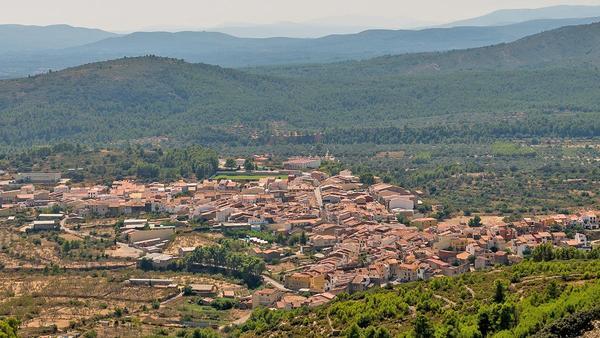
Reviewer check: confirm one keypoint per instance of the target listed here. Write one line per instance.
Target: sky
(130, 15)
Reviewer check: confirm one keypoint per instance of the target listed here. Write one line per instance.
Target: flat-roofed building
(204, 289)
(302, 163)
(38, 177)
(44, 226)
(50, 217)
(162, 233)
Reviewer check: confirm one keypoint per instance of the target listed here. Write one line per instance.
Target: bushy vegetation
(190, 333)
(80, 162)
(228, 257)
(547, 252)
(8, 328)
(572, 325)
(542, 299)
(149, 97)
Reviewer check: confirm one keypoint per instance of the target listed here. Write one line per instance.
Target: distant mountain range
(21, 38)
(229, 51)
(565, 46)
(510, 16)
(125, 99)
(317, 28)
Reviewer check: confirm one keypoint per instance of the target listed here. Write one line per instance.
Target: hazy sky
(123, 15)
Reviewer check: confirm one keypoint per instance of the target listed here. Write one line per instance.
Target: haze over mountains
(551, 72)
(65, 46)
(21, 38)
(566, 46)
(318, 27)
(510, 16)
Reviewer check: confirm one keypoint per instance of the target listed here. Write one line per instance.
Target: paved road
(172, 299)
(63, 226)
(275, 283)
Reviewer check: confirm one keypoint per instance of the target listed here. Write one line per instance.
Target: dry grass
(40, 301)
(193, 239)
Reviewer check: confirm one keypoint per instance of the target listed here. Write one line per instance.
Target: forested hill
(471, 95)
(531, 299)
(571, 45)
(230, 51)
(141, 84)
(22, 38)
(130, 98)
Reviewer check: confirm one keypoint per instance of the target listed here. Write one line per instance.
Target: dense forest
(139, 98)
(229, 256)
(145, 163)
(544, 85)
(537, 51)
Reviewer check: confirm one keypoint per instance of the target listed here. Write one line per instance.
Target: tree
(367, 179)
(249, 165)
(543, 252)
(483, 322)
(90, 334)
(353, 331)
(303, 239)
(146, 264)
(552, 290)
(475, 221)
(442, 214)
(423, 327)
(402, 219)
(499, 293)
(380, 332)
(148, 171)
(223, 303)
(230, 163)
(202, 333)
(8, 328)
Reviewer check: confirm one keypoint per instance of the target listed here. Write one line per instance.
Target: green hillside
(35, 49)
(380, 100)
(566, 46)
(23, 38)
(132, 98)
(541, 299)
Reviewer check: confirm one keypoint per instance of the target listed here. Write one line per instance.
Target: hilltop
(230, 51)
(545, 76)
(571, 45)
(21, 38)
(130, 98)
(508, 16)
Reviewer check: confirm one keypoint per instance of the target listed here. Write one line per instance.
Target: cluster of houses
(372, 253)
(351, 230)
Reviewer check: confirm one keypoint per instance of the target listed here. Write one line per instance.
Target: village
(319, 235)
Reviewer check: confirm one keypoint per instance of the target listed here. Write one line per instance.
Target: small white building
(302, 163)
